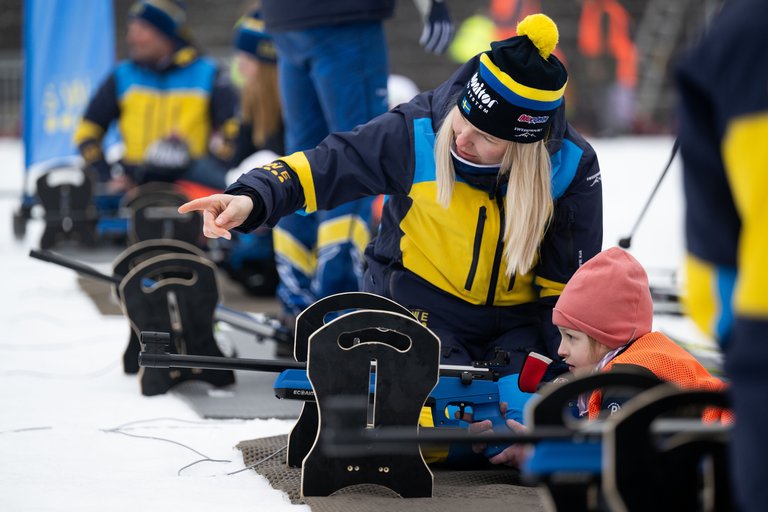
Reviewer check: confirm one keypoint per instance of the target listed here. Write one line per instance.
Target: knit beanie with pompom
(519, 84)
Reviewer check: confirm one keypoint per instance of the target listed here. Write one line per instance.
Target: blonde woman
(261, 123)
(493, 200)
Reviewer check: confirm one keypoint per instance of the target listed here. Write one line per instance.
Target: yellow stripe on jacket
(347, 228)
(300, 165)
(291, 249)
(745, 156)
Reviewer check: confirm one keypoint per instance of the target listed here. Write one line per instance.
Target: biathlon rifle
(459, 387)
(260, 326)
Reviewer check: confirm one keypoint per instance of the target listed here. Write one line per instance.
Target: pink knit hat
(608, 298)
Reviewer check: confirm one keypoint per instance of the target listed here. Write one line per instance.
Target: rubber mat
(453, 491)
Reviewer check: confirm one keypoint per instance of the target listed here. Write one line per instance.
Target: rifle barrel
(78, 267)
(151, 360)
(238, 319)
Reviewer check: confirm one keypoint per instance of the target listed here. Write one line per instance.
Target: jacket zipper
(511, 282)
(499, 250)
(476, 248)
(569, 228)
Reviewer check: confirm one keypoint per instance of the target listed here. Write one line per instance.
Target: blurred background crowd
(618, 52)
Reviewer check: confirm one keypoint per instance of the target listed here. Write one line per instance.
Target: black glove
(164, 160)
(438, 28)
(170, 153)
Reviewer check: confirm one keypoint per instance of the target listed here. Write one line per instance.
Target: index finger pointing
(194, 205)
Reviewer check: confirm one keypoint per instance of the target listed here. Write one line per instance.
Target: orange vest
(669, 362)
(618, 42)
(507, 13)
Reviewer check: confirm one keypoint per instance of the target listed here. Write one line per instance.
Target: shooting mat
(454, 491)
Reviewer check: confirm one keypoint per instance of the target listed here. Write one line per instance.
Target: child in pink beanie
(605, 316)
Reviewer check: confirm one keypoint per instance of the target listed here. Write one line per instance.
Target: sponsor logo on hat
(465, 106)
(481, 98)
(525, 118)
(527, 132)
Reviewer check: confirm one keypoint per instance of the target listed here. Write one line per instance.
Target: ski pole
(625, 242)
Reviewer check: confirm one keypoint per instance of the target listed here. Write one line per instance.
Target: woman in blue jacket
(494, 200)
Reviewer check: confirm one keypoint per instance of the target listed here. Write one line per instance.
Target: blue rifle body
(475, 391)
(459, 387)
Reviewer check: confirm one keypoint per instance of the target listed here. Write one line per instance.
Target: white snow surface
(63, 393)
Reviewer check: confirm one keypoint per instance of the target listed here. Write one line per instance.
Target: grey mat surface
(252, 395)
(453, 491)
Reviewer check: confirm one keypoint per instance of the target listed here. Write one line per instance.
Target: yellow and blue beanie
(251, 38)
(518, 85)
(169, 17)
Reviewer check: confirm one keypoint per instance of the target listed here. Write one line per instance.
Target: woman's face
(579, 352)
(248, 66)
(474, 145)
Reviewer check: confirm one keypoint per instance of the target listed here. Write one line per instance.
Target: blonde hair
(528, 204)
(261, 104)
(597, 350)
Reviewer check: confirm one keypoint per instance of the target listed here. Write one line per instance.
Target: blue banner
(69, 48)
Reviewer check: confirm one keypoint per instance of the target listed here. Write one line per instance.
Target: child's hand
(513, 455)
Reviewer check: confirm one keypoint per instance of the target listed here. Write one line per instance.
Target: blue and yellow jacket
(723, 87)
(187, 99)
(459, 249)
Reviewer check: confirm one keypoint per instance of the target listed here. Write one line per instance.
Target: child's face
(579, 352)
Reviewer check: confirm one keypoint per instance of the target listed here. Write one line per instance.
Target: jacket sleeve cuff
(258, 215)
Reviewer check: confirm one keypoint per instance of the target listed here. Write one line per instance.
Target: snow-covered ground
(75, 432)
(71, 422)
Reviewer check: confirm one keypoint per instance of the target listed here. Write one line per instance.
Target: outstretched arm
(375, 158)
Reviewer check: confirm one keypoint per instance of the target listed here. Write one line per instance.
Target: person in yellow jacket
(174, 109)
(605, 317)
(723, 112)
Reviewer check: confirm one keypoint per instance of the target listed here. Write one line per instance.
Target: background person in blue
(168, 103)
(333, 71)
(493, 199)
(723, 86)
